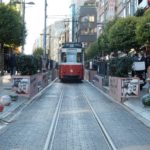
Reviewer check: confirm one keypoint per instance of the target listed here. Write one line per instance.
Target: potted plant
(121, 85)
(29, 76)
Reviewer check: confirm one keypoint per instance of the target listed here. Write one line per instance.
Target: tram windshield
(71, 57)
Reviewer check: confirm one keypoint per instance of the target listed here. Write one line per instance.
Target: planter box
(121, 88)
(29, 85)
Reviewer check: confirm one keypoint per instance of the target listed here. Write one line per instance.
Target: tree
(38, 52)
(92, 50)
(12, 29)
(122, 34)
(143, 30)
(103, 39)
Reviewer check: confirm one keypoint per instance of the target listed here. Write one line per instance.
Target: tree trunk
(1, 59)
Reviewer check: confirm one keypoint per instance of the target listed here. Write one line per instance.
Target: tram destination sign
(73, 50)
(72, 45)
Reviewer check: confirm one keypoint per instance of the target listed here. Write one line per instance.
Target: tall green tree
(122, 34)
(92, 50)
(143, 30)
(103, 39)
(12, 29)
(38, 52)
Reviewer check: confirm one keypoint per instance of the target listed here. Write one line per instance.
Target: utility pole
(23, 15)
(44, 60)
(23, 7)
(72, 6)
(73, 22)
(44, 36)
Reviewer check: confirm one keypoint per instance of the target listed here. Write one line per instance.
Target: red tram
(71, 61)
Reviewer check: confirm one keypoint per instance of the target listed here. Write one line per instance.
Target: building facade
(109, 9)
(84, 21)
(56, 34)
(87, 25)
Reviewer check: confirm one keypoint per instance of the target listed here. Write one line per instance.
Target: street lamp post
(23, 3)
(44, 38)
(23, 16)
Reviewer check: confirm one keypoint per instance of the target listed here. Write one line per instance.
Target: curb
(130, 110)
(12, 114)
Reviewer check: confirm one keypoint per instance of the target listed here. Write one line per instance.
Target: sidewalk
(5, 89)
(134, 105)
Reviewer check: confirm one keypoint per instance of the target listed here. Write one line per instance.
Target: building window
(84, 31)
(87, 19)
(84, 19)
(87, 31)
(92, 30)
(91, 19)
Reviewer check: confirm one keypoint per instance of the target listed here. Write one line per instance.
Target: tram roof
(72, 45)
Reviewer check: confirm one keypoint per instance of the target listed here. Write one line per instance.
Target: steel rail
(52, 129)
(108, 139)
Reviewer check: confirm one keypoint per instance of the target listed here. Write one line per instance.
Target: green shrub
(120, 67)
(27, 65)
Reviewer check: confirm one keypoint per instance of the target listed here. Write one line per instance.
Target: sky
(34, 18)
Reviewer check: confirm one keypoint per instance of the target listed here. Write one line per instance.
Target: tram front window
(71, 57)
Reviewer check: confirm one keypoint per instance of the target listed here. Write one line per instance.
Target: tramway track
(108, 139)
(50, 140)
(51, 133)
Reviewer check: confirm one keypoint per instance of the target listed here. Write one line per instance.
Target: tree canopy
(92, 50)
(122, 34)
(38, 52)
(143, 30)
(103, 40)
(12, 29)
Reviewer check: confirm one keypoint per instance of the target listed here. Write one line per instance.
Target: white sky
(34, 17)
